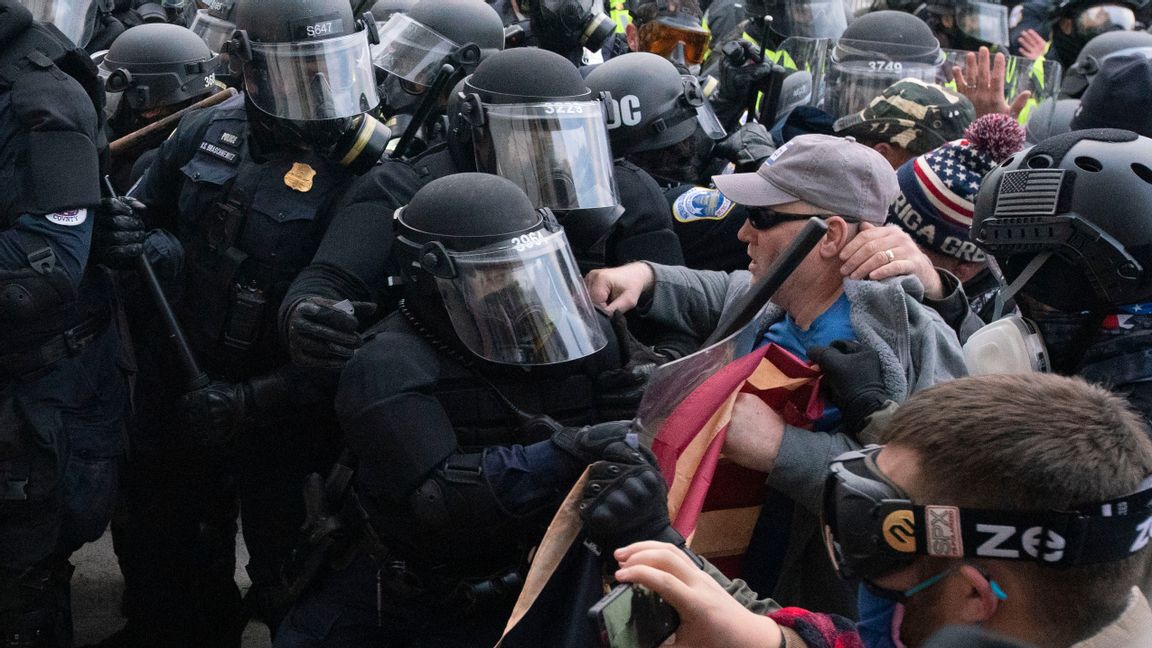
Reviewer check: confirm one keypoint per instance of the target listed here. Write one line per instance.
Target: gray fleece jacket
(917, 349)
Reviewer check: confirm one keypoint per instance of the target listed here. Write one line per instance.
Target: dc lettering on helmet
(627, 112)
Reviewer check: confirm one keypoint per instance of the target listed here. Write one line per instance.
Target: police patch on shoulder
(70, 218)
(700, 203)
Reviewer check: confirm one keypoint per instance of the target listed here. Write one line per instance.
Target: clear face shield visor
(857, 74)
(410, 50)
(981, 21)
(522, 301)
(75, 18)
(212, 30)
(1104, 18)
(810, 18)
(312, 80)
(557, 152)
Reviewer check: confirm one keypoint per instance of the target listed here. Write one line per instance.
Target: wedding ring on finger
(890, 255)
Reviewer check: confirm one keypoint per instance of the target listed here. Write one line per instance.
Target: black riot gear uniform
(62, 394)
(246, 202)
(457, 423)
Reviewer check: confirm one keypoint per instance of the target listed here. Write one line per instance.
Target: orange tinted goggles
(661, 36)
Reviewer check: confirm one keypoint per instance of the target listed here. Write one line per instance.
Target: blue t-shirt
(833, 324)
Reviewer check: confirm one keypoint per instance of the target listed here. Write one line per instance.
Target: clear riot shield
(1042, 77)
(670, 384)
(807, 60)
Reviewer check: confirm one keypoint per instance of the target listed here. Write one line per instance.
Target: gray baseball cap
(835, 175)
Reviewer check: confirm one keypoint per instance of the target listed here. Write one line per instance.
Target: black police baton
(194, 376)
(464, 57)
(750, 304)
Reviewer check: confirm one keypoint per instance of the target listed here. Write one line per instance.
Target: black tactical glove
(590, 443)
(322, 334)
(742, 71)
(746, 147)
(618, 391)
(216, 413)
(854, 380)
(626, 501)
(118, 232)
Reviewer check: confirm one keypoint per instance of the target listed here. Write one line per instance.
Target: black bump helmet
(654, 105)
(1083, 198)
(531, 118)
(414, 45)
(157, 64)
(1116, 43)
(308, 77)
(502, 269)
(215, 24)
(75, 18)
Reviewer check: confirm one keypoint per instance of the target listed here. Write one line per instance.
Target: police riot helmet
(413, 45)
(502, 268)
(172, 12)
(1104, 46)
(1068, 219)
(215, 24)
(156, 65)
(1090, 18)
(307, 71)
(874, 52)
(562, 24)
(653, 105)
(967, 24)
(531, 118)
(76, 19)
(796, 18)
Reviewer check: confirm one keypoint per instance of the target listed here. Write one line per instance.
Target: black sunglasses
(763, 218)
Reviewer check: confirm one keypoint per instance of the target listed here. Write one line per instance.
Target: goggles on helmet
(660, 36)
(872, 527)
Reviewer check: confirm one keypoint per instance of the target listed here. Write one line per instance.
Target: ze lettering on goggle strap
(1037, 542)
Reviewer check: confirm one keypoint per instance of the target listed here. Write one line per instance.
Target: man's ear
(1066, 26)
(982, 596)
(839, 233)
(632, 35)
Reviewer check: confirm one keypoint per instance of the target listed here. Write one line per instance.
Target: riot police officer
(246, 188)
(667, 130)
(62, 395)
(1088, 61)
(967, 24)
(414, 46)
(150, 72)
(455, 409)
(1075, 22)
(566, 27)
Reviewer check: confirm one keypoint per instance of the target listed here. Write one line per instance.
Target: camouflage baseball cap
(913, 115)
